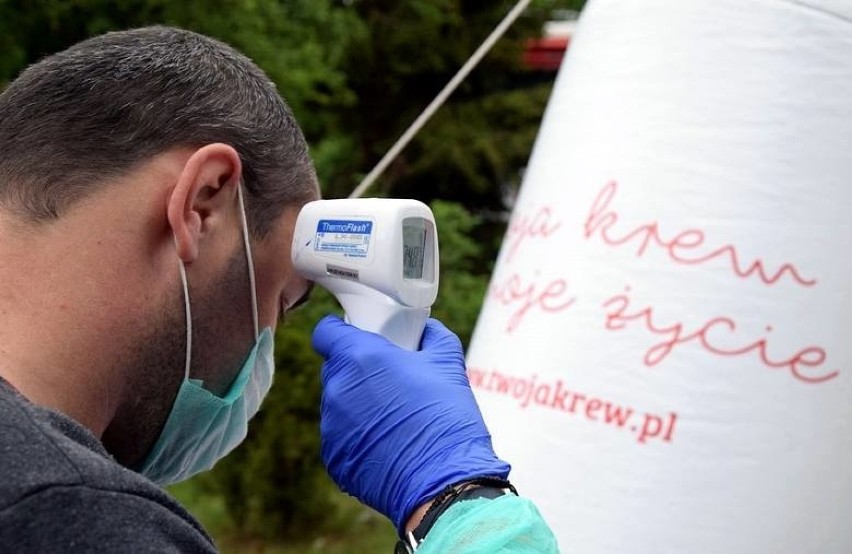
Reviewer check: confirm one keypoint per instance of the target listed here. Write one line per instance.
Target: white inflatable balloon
(665, 353)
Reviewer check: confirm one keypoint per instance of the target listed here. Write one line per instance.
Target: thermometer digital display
(377, 256)
(413, 248)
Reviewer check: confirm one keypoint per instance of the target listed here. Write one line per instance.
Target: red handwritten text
(687, 247)
(619, 313)
(527, 294)
(525, 227)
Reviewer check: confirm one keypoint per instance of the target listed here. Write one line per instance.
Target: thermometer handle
(373, 311)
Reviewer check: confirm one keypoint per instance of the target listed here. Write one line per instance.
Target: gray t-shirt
(60, 491)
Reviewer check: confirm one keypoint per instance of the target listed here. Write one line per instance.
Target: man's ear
(206, 186)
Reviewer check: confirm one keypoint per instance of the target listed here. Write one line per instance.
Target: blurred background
(356, 73)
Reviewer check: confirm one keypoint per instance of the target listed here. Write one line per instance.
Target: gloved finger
(332, 332)
(436, 336)
(333, 335)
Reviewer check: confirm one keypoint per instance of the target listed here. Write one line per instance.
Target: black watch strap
(486, 487)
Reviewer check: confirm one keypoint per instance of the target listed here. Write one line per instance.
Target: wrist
(417, 516)
(435, 477)
(424, 516)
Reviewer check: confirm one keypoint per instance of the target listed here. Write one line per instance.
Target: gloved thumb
(332, 333)
(437, 337)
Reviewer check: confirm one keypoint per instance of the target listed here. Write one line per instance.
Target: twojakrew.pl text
(555, 395)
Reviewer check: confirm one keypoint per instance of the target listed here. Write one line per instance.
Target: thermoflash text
(377, 256)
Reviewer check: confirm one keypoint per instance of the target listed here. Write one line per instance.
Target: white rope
(188, 356)
(251, 276)
(439, 100)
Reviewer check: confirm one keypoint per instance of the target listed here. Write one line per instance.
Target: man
(149, 184)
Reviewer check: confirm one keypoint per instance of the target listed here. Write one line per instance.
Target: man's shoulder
(84, 519)
(40, 448)
(52, 468)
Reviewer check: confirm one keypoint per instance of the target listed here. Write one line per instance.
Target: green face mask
(202, 427)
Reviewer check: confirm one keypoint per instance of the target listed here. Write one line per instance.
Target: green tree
(412, 50)
(462, 280)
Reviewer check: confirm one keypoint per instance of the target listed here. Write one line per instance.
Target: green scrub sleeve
(508, 524)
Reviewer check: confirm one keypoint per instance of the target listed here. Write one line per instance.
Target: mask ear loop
(188, 356)
(244, 222)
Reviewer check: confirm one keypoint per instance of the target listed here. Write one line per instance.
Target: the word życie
(711, 336)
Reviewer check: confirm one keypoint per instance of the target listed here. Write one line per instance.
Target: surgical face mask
(202, 428)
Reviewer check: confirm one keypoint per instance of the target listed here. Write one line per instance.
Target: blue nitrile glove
(398, 426)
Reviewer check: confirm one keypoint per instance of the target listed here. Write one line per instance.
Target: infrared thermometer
(377, 256)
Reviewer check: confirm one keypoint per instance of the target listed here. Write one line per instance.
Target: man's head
(120, 158)
(80, 117)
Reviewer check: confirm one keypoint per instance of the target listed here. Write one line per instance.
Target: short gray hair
(93, 111)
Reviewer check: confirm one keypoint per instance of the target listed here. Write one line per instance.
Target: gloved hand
(398, 426)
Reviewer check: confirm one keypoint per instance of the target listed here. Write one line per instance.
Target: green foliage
(463, 280)
(496, 130)
(349, 528)
(412, 50)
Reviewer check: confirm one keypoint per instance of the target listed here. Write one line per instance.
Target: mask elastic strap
(188, 317)
(248, 257)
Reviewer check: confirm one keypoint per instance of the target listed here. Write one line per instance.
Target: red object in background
(545, 54)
